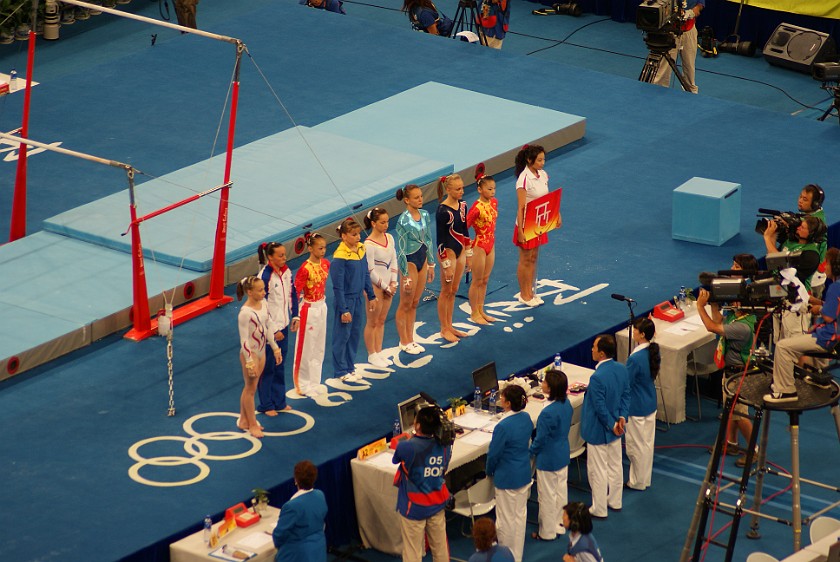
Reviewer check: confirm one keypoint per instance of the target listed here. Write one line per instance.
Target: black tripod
(834, 105)
(659, 47)
(466, 20)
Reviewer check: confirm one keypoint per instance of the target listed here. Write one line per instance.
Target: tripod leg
(650, 68)
(673, 64)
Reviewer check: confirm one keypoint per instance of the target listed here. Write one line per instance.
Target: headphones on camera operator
(444, 432)
(817, 196)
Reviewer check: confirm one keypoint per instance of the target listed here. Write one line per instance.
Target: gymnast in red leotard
(482, 217)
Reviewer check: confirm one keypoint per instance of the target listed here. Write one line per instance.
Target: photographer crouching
(736, 329)
(822, 339)
(422, 492)
(425, 16)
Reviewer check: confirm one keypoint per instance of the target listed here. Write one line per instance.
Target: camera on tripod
(787, 223)
(826, 71)
(658, 16)
(751, 289)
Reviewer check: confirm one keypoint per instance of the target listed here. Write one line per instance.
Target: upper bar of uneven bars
(90, 157)
(153, 21)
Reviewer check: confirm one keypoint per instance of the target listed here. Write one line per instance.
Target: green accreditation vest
(723, 345)
(797, 247)
(822, 247)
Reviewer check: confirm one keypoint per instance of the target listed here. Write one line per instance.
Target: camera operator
(336, 6)
(809, 232)
(686, 47)
(823, 338)
(494, 19)
(422, 492)
(425, 16)
(736, 330)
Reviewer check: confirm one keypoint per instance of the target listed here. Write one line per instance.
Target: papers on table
(687, 325)
(476, 438)
(474, 420)
(255, 540)
(383, 460)
(232, 554)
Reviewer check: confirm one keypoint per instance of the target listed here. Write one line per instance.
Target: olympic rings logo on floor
(199, 452)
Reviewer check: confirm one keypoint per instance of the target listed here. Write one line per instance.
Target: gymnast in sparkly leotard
(482, 217)
(454, 250)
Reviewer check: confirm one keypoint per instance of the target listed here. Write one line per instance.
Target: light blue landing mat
(455, 125)
(284, 184)
(51, 286)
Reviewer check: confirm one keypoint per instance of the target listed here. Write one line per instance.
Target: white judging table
(373, 479)
(193, 549)
(817, 551)
(676, 340)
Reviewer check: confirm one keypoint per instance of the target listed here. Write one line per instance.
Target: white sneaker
(377, 360)
(351, 377)
(535, 301)
(410, 349)
(538, 299)
(418, 347)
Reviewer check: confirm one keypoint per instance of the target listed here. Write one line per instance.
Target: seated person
(425, 16)
(822, 339)
(336, 6)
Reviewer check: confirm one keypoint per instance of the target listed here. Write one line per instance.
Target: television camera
(829, 74)
(662, 21)
(753, 289)
(445, 432)
(787, 222)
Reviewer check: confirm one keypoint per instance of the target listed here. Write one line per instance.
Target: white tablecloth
(373, 480)
(193, 549)
(676, 340)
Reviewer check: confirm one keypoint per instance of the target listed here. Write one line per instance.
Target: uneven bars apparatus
(143, 325)
(142, 322)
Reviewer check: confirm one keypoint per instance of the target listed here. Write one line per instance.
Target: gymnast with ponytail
(282, 301)
(482, 217)
(381, 254)
(311, 284)
(643, 368)
(254, 325)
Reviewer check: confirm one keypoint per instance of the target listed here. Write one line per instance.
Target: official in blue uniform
(605, 410)
(642, 369)
(299, 534)
(509, 463)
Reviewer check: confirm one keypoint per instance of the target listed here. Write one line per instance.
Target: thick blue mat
(443, 122)
(299, 177)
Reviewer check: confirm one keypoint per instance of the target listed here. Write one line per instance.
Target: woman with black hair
(509, 463)
(582, 545)
(551, 449)
(643, 368)
(425, 16)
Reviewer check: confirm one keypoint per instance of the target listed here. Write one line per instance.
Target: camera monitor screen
(407, 411)
(485, 379)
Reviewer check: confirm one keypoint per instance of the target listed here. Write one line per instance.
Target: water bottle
(477, 399)
(397, 429)
(682, 298)
(208, 529)
(492, 404)
(13, 79)
(558, 362)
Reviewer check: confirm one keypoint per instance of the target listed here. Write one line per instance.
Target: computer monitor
(485, 379)
(407, 411)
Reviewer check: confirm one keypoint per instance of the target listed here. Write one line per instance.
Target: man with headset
(336, 6)
(422, 492)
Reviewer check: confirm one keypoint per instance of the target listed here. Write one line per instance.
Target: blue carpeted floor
(71, 423)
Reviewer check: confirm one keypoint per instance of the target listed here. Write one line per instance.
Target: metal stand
(659, 48)
(466, 19)
(834, 104)
(752, 390)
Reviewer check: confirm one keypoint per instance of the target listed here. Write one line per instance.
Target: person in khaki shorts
(422, 492)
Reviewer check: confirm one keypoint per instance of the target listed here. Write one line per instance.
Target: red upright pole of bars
(140, 311)
(17, 229)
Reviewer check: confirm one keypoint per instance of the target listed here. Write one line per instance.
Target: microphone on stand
(618, 297)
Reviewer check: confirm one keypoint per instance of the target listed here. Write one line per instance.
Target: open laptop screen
(485, 379)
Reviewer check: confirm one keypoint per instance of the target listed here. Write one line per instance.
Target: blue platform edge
(284, 184)
(706, 211)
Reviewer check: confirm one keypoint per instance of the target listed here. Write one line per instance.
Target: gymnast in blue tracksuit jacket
(349, 273)
(551, 449)
(603, 419)
(299, 534)
(509, 463)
